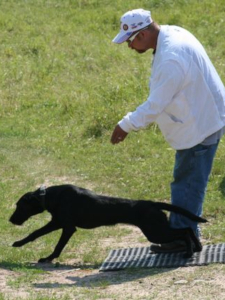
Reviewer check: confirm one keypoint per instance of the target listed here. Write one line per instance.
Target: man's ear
(142, 35)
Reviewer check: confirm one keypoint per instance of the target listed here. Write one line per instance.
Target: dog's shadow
(82, 275)
(90, 278)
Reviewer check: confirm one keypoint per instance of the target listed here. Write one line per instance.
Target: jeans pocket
(201, 152)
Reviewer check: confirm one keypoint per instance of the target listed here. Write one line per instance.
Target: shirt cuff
(125, 124)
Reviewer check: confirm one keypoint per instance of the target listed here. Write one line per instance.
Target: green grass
(63, 87)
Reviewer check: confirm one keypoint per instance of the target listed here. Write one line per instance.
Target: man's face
(138, 43)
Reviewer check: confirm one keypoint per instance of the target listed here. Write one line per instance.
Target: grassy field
(63, 87)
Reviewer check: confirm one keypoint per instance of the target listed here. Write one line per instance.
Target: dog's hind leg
(168, 235)
(195, 240)
(51, 226)
(66, 235)
(188, 240)
(192, 242)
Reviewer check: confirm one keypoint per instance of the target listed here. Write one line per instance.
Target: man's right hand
(118, 135)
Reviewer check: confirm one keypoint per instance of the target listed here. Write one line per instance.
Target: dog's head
(29, 204)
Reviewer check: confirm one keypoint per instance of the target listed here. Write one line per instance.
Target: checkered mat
(142, 258)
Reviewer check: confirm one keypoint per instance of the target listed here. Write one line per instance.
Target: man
(187, 101)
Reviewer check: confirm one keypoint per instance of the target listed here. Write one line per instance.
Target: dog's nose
(14, 221)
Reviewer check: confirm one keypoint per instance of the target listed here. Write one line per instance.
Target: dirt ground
(76, 283)
(74, 280)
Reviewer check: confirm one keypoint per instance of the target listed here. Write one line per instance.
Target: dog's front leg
(66, 235)
(51, 226)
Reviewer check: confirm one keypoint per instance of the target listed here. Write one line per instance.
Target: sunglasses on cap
(132, 37)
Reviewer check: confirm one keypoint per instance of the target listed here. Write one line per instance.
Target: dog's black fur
(72, 207)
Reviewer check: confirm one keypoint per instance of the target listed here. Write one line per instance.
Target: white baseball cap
(131, 21)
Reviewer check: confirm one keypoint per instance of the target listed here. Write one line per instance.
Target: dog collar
(42, 196)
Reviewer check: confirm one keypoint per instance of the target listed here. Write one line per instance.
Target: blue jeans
(191, 174)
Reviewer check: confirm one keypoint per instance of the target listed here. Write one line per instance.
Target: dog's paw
(198, 248)
(187, 255)
(17, 244)
(44, 260)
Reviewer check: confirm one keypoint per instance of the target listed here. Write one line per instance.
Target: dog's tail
(180, 210)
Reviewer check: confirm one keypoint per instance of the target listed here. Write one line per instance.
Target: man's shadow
(222, 187)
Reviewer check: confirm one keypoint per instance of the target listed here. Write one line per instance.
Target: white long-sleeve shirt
(187, 96)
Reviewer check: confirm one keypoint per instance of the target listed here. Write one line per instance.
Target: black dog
(72, 207)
